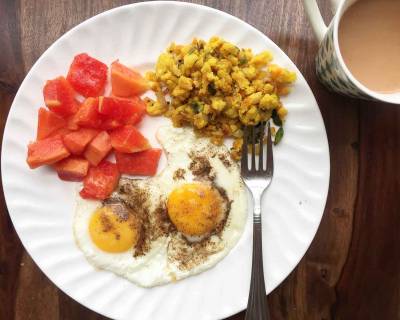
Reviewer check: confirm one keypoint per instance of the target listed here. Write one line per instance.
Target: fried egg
(165, 228)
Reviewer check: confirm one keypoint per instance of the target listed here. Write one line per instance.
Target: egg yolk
(195, 209)
(112, 232)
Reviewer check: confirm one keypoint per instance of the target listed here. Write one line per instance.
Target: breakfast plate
(42, 208)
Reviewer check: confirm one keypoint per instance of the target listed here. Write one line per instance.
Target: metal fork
(257, 178)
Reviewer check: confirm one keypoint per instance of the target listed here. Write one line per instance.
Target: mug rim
(393, 98)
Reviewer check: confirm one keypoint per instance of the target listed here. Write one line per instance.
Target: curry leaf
(275, 118)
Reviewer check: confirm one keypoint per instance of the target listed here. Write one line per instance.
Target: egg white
(154, 268)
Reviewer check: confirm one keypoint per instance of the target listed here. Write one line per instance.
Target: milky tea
(369, 41)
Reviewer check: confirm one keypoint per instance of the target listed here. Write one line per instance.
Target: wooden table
(352, 269)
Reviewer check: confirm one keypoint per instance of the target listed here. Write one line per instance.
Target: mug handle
(315, 17)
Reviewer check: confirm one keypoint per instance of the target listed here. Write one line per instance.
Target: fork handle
(257, 307)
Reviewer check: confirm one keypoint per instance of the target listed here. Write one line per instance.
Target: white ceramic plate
(41, 206)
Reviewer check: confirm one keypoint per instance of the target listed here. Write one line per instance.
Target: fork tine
(261, 158)
(270, 156)
(253, 148)
(244, 159)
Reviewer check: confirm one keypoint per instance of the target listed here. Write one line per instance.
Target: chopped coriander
(242, 61)
(278, 136)
(196, 106)
(211, 88)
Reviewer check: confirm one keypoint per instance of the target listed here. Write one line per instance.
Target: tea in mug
(369, 41)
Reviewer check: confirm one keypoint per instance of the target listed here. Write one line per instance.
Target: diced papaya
(140, 111)
(76, 141)
(72, 168)
(60, 132)
(128, 139)
(87, 75)
(59, 97)
(46, 151)
(100, 181)
(110, 124)
(71, 124)
(88, 115)
(48, 122)
(98, 148)
(126, 82)
(142, 163)
(127, 111)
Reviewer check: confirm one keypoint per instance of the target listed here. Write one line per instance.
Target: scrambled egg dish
(216, 88)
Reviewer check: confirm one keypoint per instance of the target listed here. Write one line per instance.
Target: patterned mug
(331, 69)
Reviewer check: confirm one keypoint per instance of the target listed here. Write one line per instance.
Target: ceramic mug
(331, 69)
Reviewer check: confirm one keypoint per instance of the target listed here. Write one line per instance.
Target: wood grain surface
(352, 269)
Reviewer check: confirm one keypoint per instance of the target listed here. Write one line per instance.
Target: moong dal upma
(217, 88)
